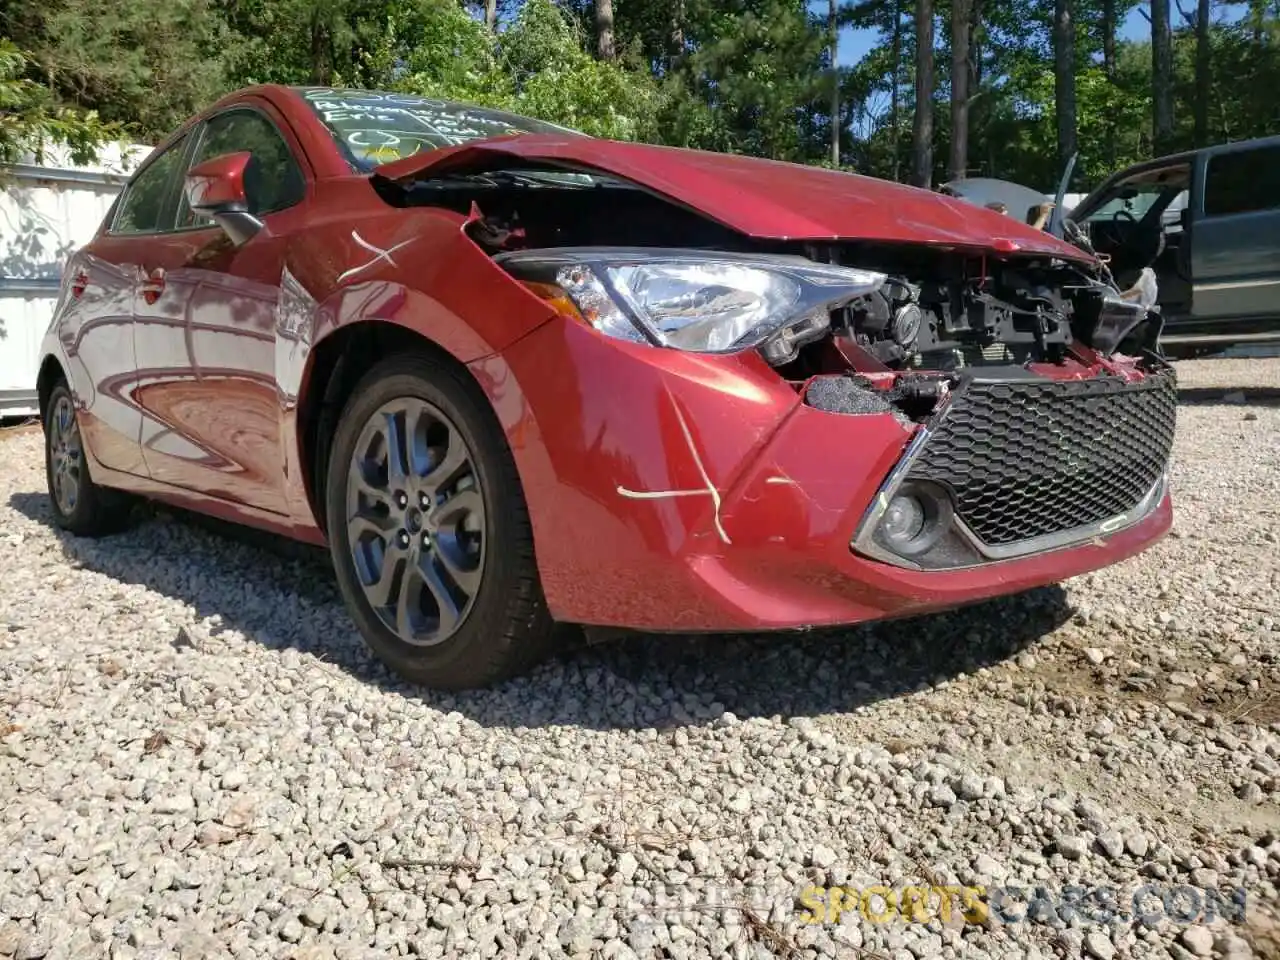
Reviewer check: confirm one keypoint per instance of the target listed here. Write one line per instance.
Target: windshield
(1136, 196)
(373, 127)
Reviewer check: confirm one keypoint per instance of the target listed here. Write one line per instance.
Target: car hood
(760, 198)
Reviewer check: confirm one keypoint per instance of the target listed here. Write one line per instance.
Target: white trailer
(48, 209)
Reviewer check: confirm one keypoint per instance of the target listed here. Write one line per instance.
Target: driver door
(213, 412)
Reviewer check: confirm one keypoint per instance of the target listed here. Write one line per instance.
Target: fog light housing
(915, 519)
(904, 519)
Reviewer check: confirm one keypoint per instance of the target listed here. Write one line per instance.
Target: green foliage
(437, 49)
(147, 64)
(30, 117)
(748, 76)
(555, 79)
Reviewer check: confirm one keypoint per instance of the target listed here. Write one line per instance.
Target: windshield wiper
(507, 178)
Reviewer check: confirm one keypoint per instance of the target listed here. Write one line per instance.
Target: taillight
(79, 283)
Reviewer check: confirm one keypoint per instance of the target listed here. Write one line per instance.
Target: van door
(1235, 250)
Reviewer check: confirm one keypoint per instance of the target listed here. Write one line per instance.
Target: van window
(1242, 181)
(1135, 196)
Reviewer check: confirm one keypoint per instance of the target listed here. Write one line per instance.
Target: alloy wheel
(416, 521)
(66, 456)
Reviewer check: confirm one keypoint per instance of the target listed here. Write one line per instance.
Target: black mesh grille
(1026, 458)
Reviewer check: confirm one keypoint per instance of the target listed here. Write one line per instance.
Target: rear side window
(1242, 182)
(147, 203)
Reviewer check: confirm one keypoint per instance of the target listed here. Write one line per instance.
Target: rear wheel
(79, 504)
(429, 531)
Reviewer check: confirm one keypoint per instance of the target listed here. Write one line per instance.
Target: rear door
(1235, 249)
(95, 320)
(207, 325)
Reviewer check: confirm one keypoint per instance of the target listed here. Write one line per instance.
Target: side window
(273, 179)
(1243, 181)
(147, 203)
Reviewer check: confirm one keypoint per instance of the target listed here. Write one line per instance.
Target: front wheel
(429, 531)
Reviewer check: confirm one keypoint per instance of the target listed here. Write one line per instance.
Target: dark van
(1208, 223)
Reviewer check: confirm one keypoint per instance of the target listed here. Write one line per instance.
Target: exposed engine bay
(943, 311)
(939, 308)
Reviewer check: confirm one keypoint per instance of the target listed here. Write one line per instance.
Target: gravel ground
(198, 759)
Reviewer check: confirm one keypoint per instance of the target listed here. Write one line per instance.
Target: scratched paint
(378, 254)
(708, 491)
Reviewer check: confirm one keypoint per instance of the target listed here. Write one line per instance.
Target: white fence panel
(47, 211)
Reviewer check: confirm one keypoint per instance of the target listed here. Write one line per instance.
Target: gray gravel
(198, 759)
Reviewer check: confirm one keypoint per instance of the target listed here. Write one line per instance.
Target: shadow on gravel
(281, 594)
(1230, 396)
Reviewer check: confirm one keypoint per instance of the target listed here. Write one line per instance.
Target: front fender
(414, 270)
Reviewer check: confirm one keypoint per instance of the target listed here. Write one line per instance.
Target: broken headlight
(695, 300)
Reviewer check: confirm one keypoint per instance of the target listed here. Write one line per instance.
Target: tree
(1064, 81)
(897, 84)
(147, 64)
(1161, 76)
(1202, 74)
(605, 48)
(960, 74)
(922, 127)
(1109, 68)
(759, 77)
(833, 28)
(30, 118)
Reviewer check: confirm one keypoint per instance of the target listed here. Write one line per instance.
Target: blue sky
(854, 44)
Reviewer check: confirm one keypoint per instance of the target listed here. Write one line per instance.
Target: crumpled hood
(767, 199)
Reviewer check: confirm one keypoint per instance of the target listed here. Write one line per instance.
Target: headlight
(694, 300)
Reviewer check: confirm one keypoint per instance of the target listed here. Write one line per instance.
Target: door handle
(153, 286)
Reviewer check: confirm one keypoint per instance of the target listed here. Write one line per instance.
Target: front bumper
(674, 492)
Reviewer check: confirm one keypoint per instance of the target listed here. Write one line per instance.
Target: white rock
(970, 787)
(1099, 945)
(1136, 843)
(1071, 847)
(173, 803)
(1111, 843)
(822, 856)
(1199, 940)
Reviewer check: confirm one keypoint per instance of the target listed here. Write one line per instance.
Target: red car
(515, 375)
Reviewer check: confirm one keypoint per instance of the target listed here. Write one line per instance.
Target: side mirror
(216, 189)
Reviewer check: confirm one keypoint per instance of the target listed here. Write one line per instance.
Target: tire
(79, 505)
(442, 581)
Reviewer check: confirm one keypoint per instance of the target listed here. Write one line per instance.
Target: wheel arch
(51, 371)
(334, 367)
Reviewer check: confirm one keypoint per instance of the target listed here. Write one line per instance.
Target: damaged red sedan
(514, 375)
